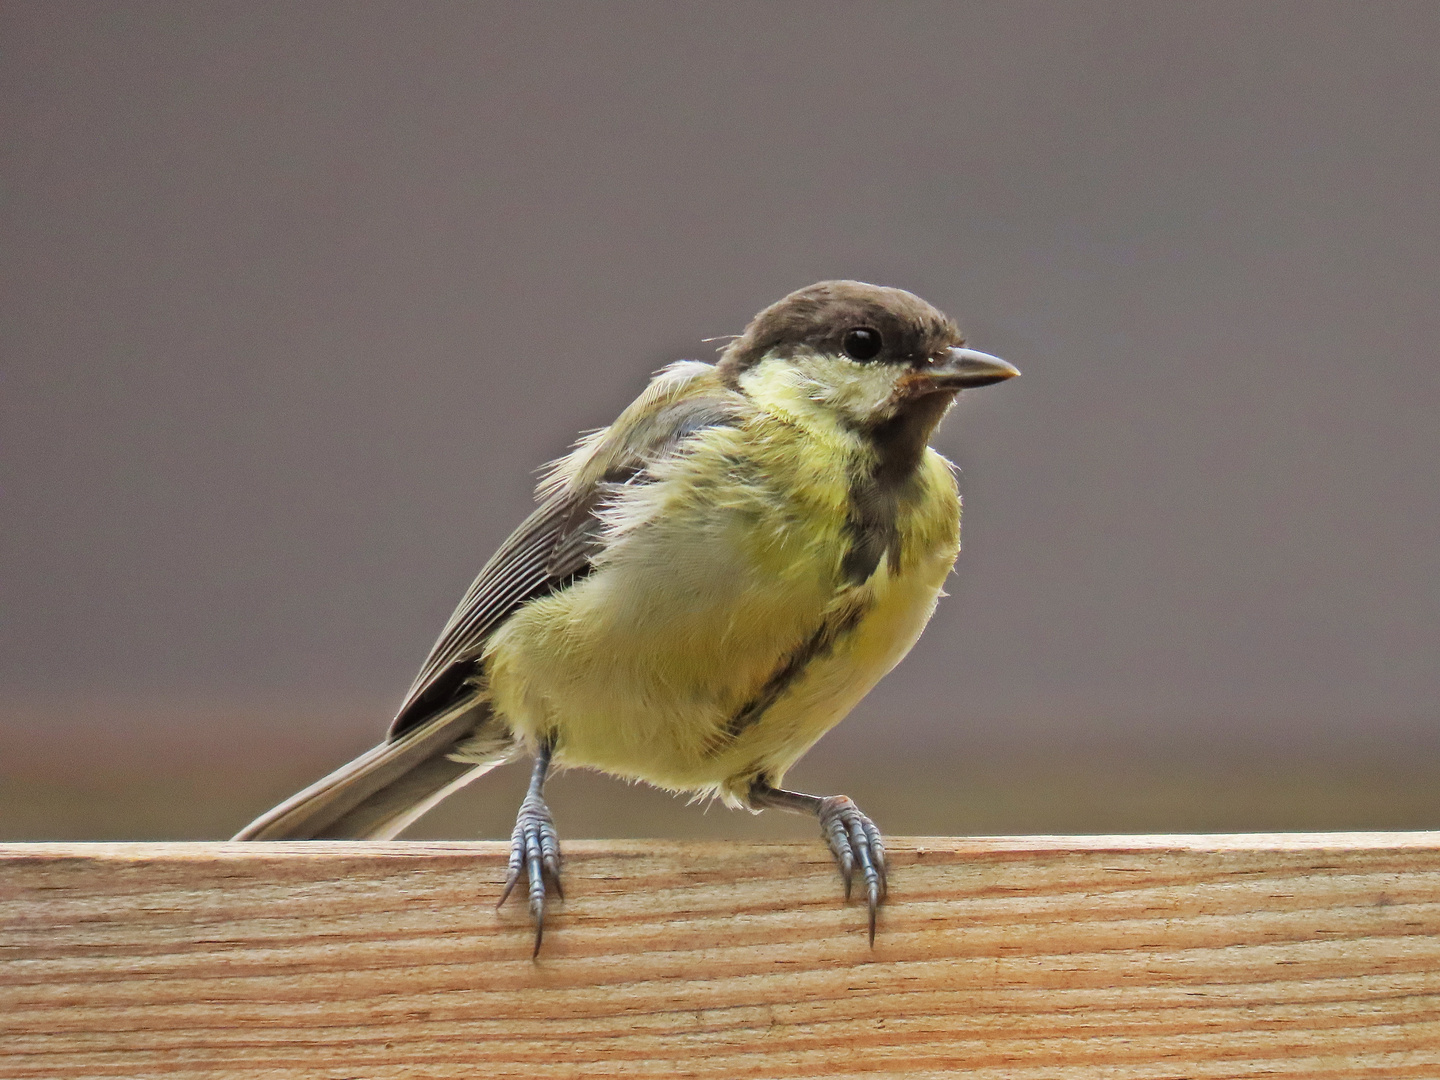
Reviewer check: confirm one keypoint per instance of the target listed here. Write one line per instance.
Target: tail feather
(389, 787)
(390, 811)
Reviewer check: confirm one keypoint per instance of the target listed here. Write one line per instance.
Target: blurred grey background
(297, 297)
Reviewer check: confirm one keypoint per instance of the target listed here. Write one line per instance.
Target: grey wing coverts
(386, 789)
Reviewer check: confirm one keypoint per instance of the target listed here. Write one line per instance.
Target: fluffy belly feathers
(702, 608)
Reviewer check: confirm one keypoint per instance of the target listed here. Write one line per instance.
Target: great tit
(706, 587)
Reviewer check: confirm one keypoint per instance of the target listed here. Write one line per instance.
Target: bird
(705, 587)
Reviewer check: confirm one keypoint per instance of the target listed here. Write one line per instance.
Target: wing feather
(554, 547)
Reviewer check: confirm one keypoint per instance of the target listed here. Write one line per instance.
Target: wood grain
(1041, 958)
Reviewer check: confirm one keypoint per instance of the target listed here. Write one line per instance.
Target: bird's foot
(855, 841)
(534, 852)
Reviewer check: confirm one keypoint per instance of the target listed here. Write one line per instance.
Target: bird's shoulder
(558, 543)
(681, 400)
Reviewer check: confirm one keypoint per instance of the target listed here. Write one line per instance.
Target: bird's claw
(855, 841)
(534, 852)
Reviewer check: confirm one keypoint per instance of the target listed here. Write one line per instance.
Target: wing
(553, 548)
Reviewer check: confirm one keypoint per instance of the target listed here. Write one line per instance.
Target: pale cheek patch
(858, 392)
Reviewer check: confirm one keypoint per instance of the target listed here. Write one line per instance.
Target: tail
(386, 789)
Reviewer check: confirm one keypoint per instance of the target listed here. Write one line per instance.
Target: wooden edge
(923, 846)
(1294, 955)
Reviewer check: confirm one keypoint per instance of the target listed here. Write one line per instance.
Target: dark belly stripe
(819, 645)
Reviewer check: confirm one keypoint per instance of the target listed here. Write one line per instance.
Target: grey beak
(965, 369)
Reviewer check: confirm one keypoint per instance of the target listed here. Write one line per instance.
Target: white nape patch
(862, 393)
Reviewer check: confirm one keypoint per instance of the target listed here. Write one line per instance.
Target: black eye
(862, 343)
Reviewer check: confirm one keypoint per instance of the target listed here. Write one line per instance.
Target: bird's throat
(900, 441)
(878, 493)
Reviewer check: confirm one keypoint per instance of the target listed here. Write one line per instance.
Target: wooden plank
(1040, 958)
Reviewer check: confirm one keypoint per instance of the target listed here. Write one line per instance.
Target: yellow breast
(714, 576)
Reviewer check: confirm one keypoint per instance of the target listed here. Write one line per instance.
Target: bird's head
(871, 357)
